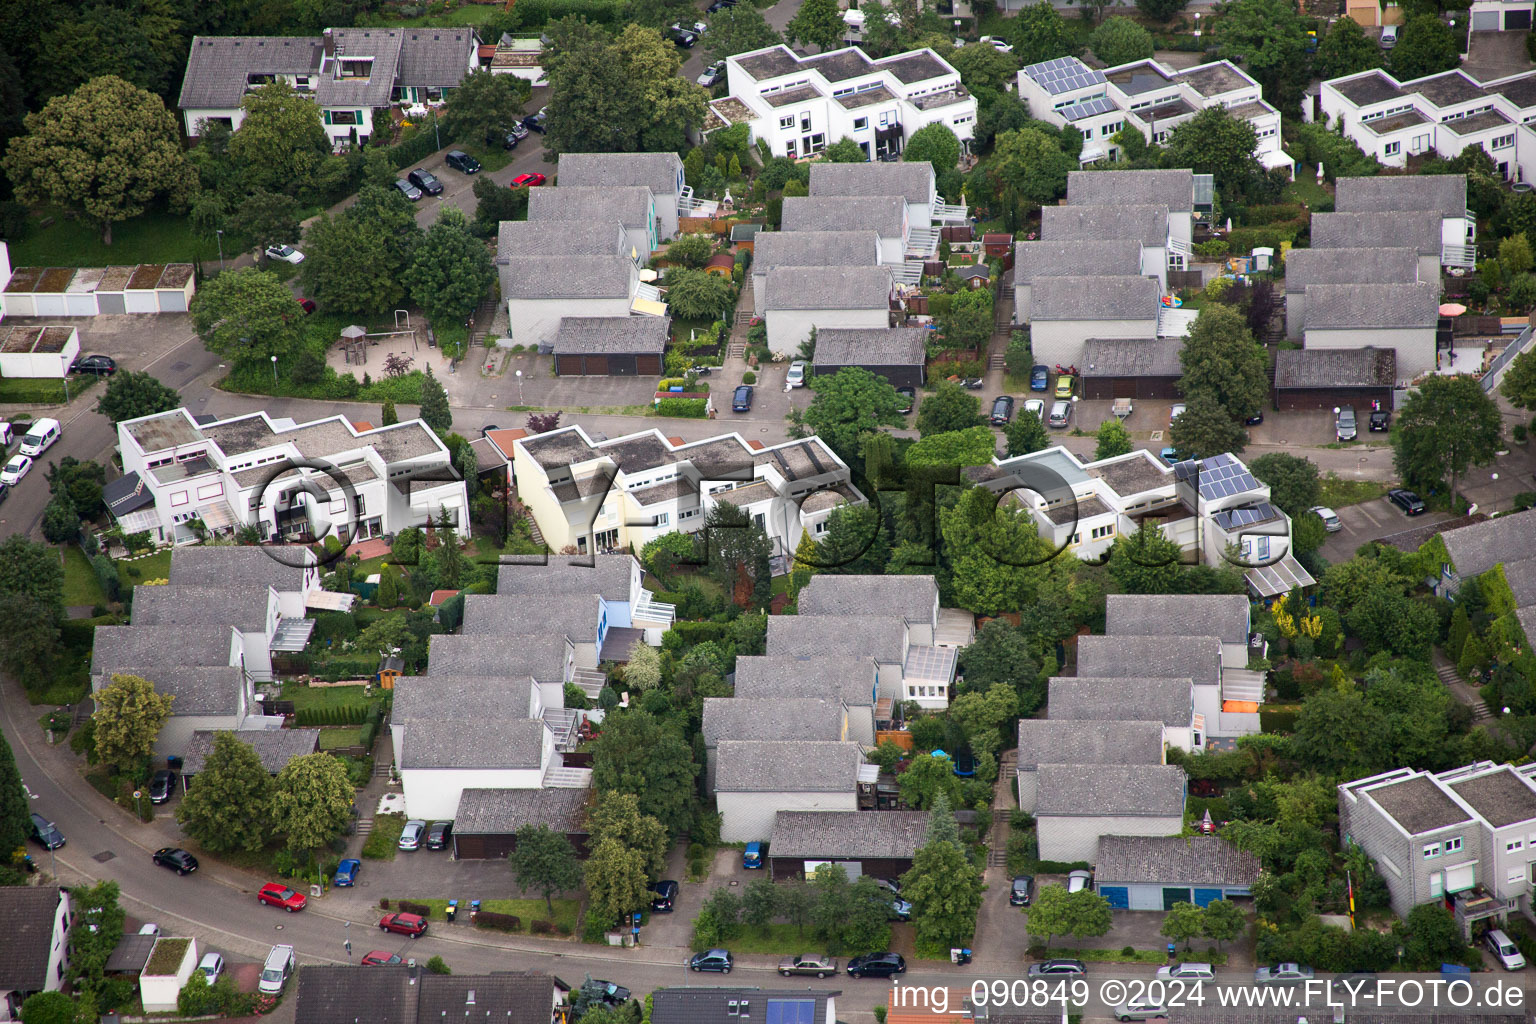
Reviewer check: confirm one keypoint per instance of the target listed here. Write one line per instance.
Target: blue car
(346, 872)
(1039, 377)
(752, 856)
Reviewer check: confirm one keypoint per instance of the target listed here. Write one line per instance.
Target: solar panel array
(791, 1011)
(1063, 75)
(1239, 517)
(1087, 108)
(1222, 476)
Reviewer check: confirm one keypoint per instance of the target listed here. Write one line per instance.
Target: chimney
(412, 969)
(330, 44)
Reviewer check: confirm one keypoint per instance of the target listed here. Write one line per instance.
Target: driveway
(1368, 521)
(1493, 55)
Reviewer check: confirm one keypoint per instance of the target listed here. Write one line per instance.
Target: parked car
(380, 958)
(698, 28)
(1175, 412)
(462, 162)
(605, 991)
(506, 138)
(1079, 880)
(518, 130)
(712, 75)
(795, 376)
(413, 925)
(808, 963)
(1061, 414)
(1019, 896)
(1039, 377)
(1344, 424)
(102, 366)
(535, 122)
(410, 836)
(1504, 950)
(408, 190)
(150, 929)
(212, 965)
(1388, 36)
(426, 181)
(741, 401)
(40, 436)
(46, 833)
(1380, 420)
(901, 910)
(161, 786)
(276, 894)
(1058, 968)
(1168, 454)
(5, 492)
(662, 895)
(1035, 407)
(1002, 410)
(752, 857)
(286, 253)
(1254, 420)
(307, 305)
(1406, 500)
(346, 873)
(438, 834)
(682, 37)
(876, 965)
(717, 960)
(277, 969)
(18, 467)
(528, 180)
(998, 44)
(890, 885)
(719, 5)
(1139, 1009)
(177, 860)
(1329, 517)
(1064, 385)
(1198, 972)
(908, 398)
(1282, 974)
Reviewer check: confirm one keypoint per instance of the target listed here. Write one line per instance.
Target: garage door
(648, 365)
(1204, 896)
(1123, 387)
(621, 365)
(568, 366)
(1460, 879)
(1517, 20)
(1119, 896)
(1173, 895)
(852, 868)
(595, 366)
(1485, 21)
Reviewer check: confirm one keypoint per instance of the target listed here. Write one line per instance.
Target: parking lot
(1369, 521)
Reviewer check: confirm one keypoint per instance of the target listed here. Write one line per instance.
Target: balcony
(1464, 256)
(950, 213)
(648, 609)
(688, 206)
(1477, 904)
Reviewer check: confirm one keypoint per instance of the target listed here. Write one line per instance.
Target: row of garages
(96, 291)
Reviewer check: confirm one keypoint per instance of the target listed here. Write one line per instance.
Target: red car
(281, 896)
(307, 305)
(413, 925)
(380, 958)
(527, 180)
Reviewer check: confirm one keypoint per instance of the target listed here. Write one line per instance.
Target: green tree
(281, 143)
(133, 393)
(936, 144)
(106, 151)
(855, 542)
(230, 808)
(450, 271)
(968, 324)
(1161, 11)
(1216, 143)
(1346, 50)
(355, 262)
(91, 947)
(1345, 584)
(1039, 33)
(637, 753)
(926, 779)
(1269, 39)
(1028, 167)
(817, 23)
(1113, 439)
(1426, 46)
(984, 715)
(736, 555)
(983, 67)
(387, 415)
(759, 904)
(495, 203)
(247, 316)
(945, 890)
(1434, 937)
(434, 403)
(691, 251)
(1025, 434)
(1223, 921)
(740, 28)
(942, 827)
(698, 296)
(1205, 428)
(1221, 360)
(1293, 481)
(15, 821)
(312, 802)
(483, 103)
(1394, 623)
(844, 151)
(48, 1008)
(998, 558)
(643, 670)
(1001, 654)
(128, 717)
(1519, 383)
(1183, 922)
(973, 446)
(949, 408)
(544, 862)
(1515, 254)
(617, 816)
(1145, 561)
(61, 521)
(31, 570)
(622, 94)
(1119, 40)
(830, 898)
(267, 218)
(1446, 427)
(616, 882)
(847, 404)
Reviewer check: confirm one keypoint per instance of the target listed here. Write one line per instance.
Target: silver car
(1061, 414)
(712, 75)
(411, 837)
(1139, 1009)
(1345, 428)
(1329, 517)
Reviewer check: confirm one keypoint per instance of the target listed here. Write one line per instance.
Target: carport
(1155, 872)
(486, 823)
(610, 346)
(1323, 378)
(877, 843)
(1131, 368)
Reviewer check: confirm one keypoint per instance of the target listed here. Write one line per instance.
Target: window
(1432, 850)
(1100, 532)
(821, 527)
(805, 121)
(860, 124)
(1503, 141)
(1514, 845)
(687, 513)
(663, 518)
(342, 117)
(1515, 875)
(818, 142)
(1392, 149)
(967, 119)
(1436, 884)
(1453, 845)
(355, 67)
(789, 149)
(846, 91)
(1111, 129)
(787, 121)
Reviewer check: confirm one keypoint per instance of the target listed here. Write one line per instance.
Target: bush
(500, 922)
(689, 408)
(749, 377)
(541, 927)
(437, 965)
(1278, 719)
(420, 909)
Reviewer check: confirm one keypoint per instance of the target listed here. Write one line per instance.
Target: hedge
(690, 408)
(417, 147)
(501, 922)
(535, 13)
(1281, 718)
(690, 634)
(348, 714)
(419, 909)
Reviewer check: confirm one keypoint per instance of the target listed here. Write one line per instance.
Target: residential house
(541, 291)
(718, 1004)
(1442, 195)
(1196, 658)
(1062, 740)
(754, 779)
(581, 616)
(517, 239)
(349, 73)
(285, 479)
(275, 748)
(486, 822)
(915, 599)
(1418, 230)
(1076, 804)
(611, 346)
(1461, 837)
(808, 249)
(617, 580)
(801, 299)
(520, 57)
(1144, 223)
(914, 182)
(1155, 872)
(633, 206)
(38, 920)
(1503, 547)
(1065, 312)
(899, 354)
(1186, 196)
(886, 215)
(662, 173)
(621, 493)
(800, 105)
(1127, 698)
(1306, 267)
(851, 681)
(1326, 378)
(908, 671)
(1224, 616)
(876, 843)
(787, 718)
(1402, 318)
(936, 1004)
(1069, 258)
(407, 994)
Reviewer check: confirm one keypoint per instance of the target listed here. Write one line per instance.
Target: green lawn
(155, 237)
(81, 587)
(381, 843)
(1305, 188)
(529, 910)
(151, 567)
(332, 737)
(43, 390)
(1337, 492)
(783, 939)
(324, 697)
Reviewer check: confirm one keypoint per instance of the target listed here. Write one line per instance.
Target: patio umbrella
(353, 332)
(1452, 309)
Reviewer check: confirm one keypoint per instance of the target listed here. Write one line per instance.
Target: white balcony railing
(1458, 256)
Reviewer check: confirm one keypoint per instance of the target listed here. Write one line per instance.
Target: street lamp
(519, 387)
(274, 370)
(1493, 499)
(220, 233)
(1197, 24)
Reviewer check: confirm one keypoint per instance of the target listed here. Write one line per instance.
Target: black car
(438, 833)
(462, 162)
(605, 991)
(46, 833)
(5, 492)
(161, 785)
(1380, 420)
(503, 137)
(741, 401)
(179, 861)
(662, 895)
(1406, 500)
(719, 5)
(1254, 420)
(1002, 410)
(876, 965)
(1022, 885)
(535, 122)
(718, 960)
(683, 37)
(908, 398)
(96, 363)
(425, 181)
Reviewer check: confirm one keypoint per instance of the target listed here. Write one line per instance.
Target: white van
(1507, 952)
(1388, 37)
(276, 971)
(6, 436)
(40, 437)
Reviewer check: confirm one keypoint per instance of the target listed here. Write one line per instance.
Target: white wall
(433, 793)
(1415, 348)
(159, 992)
(535, 321)
(748, 817)
(788, 328)
(42, 364)
(1077, 838)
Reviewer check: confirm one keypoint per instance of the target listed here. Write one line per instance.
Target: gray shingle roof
(436, 57)
(1477, 548)
(1520, 574)
(470, 742)
(1527, 619)
(1350, 266)
(1075, 258)
(608, 576)
(886, 214)
(199, 690)
(848, 835)
(573, 615)
(1173, 189)
(444, 696)
(1109, 790)
(836, 677)
(882, 637)
(912, 181)
(814, 249)
(871, 346)
(1174, 860)
(792, 718)
(914, 598)
(1097, 699)
(384, 46)
(560, 238)
(1416, 230)
(1418, 805)
(117, 647)
(630, 205)
(790, 766)
(1221, 615)
(128, 493)
(218, 66)
(243, 606)
(1094, 298)
(322, 438)
(29, 913)
(388, 995)
(828, 288)
(1335, 367)
(606, 334)
(1372, 305)
(347, 995)
(1197, 658)
(506, 998)
(501, 811)
(660, 172)
(1075, 741)
(1389, 193)
(1147, 224)
(567, 277)
(1133, 357)
(275, 747)
(221, 565)
(540, 656)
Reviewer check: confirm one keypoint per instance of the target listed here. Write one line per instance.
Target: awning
(329, 601)
(648, 307)
(1275, 158)
(1278, 578)
(217, 516)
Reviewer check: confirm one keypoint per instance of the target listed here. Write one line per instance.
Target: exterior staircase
(743, 318)
(561, 777)
(1459, 688)
(996, 361)
(484, 314)
(365, 825)
(534, 532)
(562, 722)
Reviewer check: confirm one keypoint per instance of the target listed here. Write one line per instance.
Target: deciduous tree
(1216, 143)
(483, 103)
(230, 808)
(844, 151)
(450, 270)
(312, 803)
(1183, 922)
(984, 714)
(637, 753)
(817, 23)
(623, 94)
(616, 882)
(1446, 427)
(133, 393)
(998, 557)
(281, 142)
(1205, 428)
(1027, 169)
(945, 890)
(1223, 921)
(128, 717)
(973, 446)
(1113, 439)
(1025, 434)
(91, 947)
(617, 816)
(1001, 654)
(936, 144)
(949, 408)
(48, 1008)
(1145, 561)
(856, 541)
(1519, 383)
(1119, 40)
(268, 218)
(925, 779)
(15, 820)
(544, 862)
(693, 250)
(1039, 33)
(849, 403)
(1346, 50)
(495, 203)
(739, 28)
(968, 324)
(983, 67)
(1426, 46)
(697, 295)
(1270, 41)
(247, 316)
(1293, 481)
(643, 670)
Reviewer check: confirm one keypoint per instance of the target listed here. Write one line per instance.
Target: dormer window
(354, 67)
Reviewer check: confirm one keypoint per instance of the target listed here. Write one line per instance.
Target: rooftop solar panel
(791, 1011)
(1063, 74)
(1087, 108)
